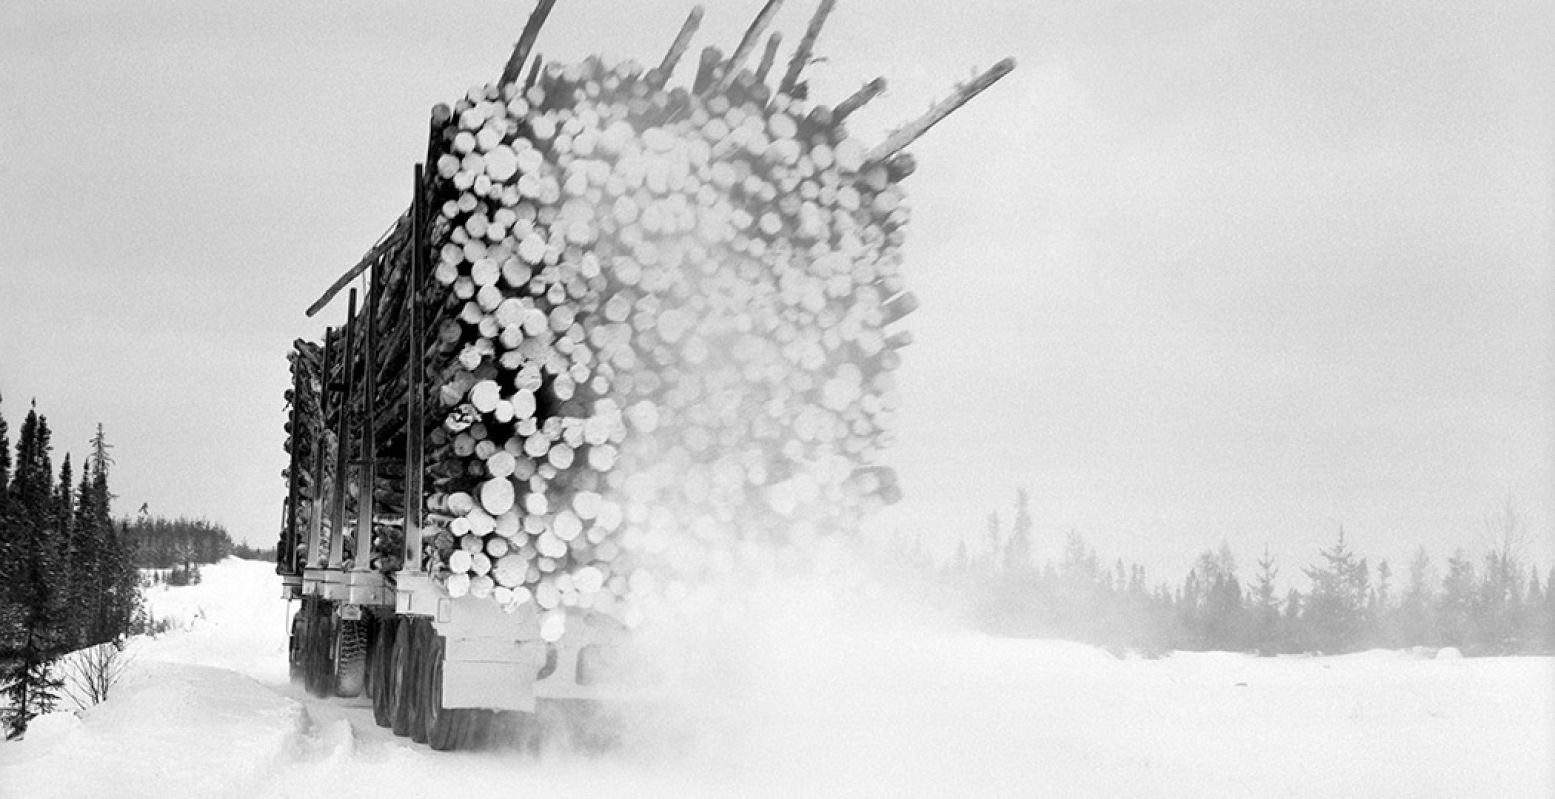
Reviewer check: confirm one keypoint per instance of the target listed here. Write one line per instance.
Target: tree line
(176, 548)
(1494, 604)
(67, 572)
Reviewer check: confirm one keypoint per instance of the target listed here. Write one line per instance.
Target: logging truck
(624, 335)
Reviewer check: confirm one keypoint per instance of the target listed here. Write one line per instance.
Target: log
(678, 47)
(802, 53)
(909, 133)
(768, 56)
(748, 42)
(526, 42)
(855, 101)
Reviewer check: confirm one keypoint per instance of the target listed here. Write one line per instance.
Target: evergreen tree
(6, 555)
(117, 600)
(1266, 607)
(85, 560)
(1499, 606)
(1293, 632)
(31, 583)
(73, 569)
(995, 547)
(1416, 611)
(1498, 609)
(1455, 608)
(1017, 555)
(5, 460)
(1537, 634)
(1335, 611)
(1379, 609)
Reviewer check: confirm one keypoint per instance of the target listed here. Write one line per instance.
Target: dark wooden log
(286, 554)
(768, 56)
(909, 133)
(416, 372)
(678, 47)
(855, 101)
(526, 42)
(748, 42)
(707, 70)
(337, 537)
(801, 57)
(315, 520)
(397, 230)
(534, 73)
(364, 510)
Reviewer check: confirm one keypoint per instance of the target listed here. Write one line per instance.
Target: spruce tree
(1416, 611)
(1336, 605)
(7, 558)
(1498, 610)
(1017, 555)
(73, 572)
(117, 599)
(1266, 607)
(1293, 633)
(1455, 609)
(1379, 609)
(25, 663)
(5, 459)
(1536, 622)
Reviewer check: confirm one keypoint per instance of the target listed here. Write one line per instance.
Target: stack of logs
(659, 327)
(307, 446)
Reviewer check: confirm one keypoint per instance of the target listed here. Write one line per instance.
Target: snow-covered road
(885, 711)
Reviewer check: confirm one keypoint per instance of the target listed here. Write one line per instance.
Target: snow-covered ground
(883, 710)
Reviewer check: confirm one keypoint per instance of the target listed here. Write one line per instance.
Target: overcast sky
(1195, 271)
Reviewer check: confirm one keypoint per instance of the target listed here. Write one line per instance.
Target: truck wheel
(294, 648)
(370, 637)
(349, 655)
(312, 658)
(380, 664)
(322, 647)
(444, 727)
(401, 677)
(421, 667)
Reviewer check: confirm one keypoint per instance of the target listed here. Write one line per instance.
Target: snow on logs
(659, 330)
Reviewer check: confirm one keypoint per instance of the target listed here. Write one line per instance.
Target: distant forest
(1493, 604)
(178, 546)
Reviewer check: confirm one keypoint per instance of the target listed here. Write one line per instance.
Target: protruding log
(526, 42)
(748, 42)
(389, 238)
(768, 56)
(855, 101)
(909, 133)
(682, 41)
(707, 69)
(801, 57)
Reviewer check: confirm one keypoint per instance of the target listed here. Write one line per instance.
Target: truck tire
(313, 655)
(380, 662)
(294, 648)
(349, 657)
(327, 625)
(401, 678)
(370, 637)
(444, 727)
(420, 667)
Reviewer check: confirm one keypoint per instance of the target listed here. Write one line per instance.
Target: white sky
(1195, 271)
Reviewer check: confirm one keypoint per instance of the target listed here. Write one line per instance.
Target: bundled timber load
(658, 328)
(306, 448)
